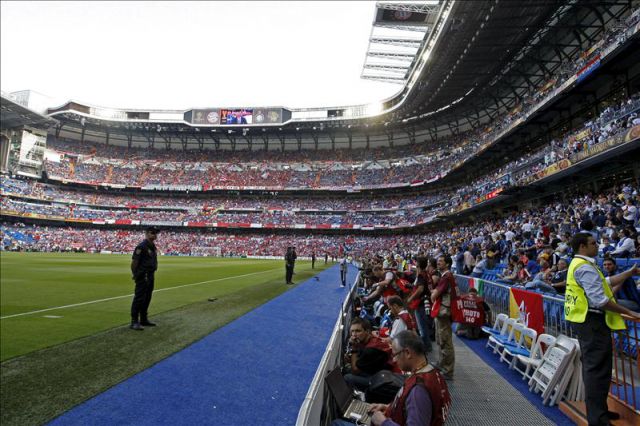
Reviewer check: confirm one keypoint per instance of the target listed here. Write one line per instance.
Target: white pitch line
(129, 295)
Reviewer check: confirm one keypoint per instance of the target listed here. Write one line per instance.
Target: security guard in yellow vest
(590, 305)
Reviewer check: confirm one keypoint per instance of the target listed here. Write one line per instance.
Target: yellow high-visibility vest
(575, 299)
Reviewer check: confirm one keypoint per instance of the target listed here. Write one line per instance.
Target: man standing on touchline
(290, 261)
(143, 267)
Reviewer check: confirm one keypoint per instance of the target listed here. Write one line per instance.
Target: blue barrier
(497, 296)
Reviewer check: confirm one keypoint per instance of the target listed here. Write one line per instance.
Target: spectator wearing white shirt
(480, 266)
(509, 235)
(629, 212)
(625, 246)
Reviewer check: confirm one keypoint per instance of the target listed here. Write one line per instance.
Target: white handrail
(311, 408)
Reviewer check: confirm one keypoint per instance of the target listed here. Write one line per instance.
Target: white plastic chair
(528, 337)
(497, 325)
(496, 341)
(555, 370)
(573, 389)
(514, 338)
(543, 343)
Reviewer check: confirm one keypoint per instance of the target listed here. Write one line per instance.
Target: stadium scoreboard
(237, 116)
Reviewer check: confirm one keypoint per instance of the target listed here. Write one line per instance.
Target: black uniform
(313, 260)
(343, 272)
(290, 261)
(147, 257)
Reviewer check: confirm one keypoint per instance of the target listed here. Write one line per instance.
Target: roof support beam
(385, 79)
(392, 41)
(392, 55)
(409, 6)
(390, 68)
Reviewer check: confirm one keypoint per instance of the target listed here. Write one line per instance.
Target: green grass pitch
(62, 343)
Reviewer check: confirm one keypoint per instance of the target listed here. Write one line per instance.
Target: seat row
(547, 362)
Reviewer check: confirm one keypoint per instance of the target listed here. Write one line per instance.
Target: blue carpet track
(515, 379)
(255, 370)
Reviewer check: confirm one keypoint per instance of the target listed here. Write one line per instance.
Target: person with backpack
(424, 398)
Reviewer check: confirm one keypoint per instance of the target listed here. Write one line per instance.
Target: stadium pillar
(107, 139)
(4, 152)
(58, 129)
(412, 136)
(82, 135)
(216, 141)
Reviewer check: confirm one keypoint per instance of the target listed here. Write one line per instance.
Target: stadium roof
(487, 57)
(14, 115)
(399, 31)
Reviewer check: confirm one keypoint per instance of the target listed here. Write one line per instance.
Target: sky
(166, 55)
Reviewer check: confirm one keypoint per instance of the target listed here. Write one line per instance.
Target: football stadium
(453, 240)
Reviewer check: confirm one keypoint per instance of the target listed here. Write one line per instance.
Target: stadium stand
(539, 156)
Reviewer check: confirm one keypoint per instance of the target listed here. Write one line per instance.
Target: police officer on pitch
(591, 307)
(143, 266)
(290, 261)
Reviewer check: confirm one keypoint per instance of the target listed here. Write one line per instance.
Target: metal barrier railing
(317, 408)
(625, 381)
(497, 297)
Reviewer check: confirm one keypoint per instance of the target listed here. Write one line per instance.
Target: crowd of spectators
(409, 217)
(616, 117)
(607, 214)
(34, 189)
(288, 211)
(613, 120)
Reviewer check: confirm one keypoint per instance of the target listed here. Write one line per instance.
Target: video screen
(236, 116)
(269, 115)
(205, 116)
